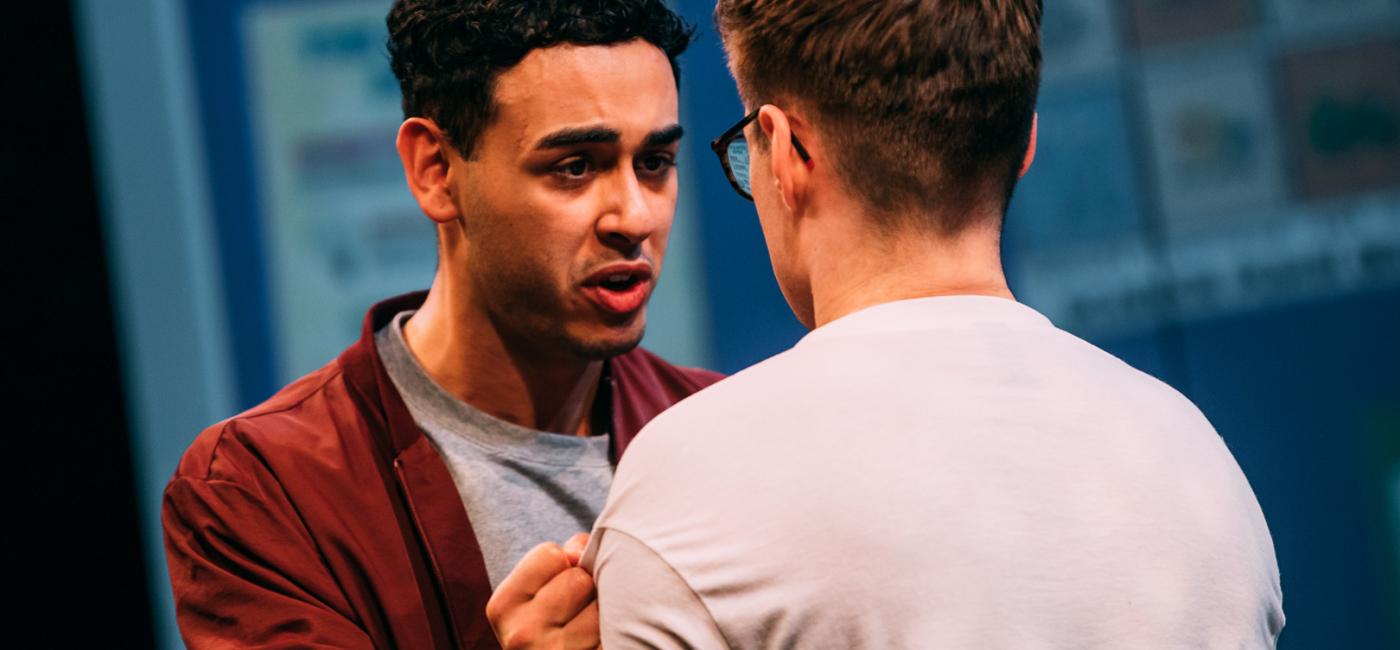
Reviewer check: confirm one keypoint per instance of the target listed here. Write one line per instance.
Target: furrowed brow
(668, 135)
(574, 137)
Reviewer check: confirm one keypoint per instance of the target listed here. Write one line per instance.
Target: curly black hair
(448, 53)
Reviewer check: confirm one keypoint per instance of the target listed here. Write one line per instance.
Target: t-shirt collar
(937, 312)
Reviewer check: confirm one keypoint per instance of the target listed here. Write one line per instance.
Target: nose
(627, 220)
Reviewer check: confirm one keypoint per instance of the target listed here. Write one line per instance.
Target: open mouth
(620, 289)
(620, 281)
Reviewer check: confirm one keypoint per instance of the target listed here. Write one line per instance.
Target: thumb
(573, 549)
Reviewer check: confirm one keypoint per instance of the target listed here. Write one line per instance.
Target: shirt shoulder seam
(713, 621)
(252, 415)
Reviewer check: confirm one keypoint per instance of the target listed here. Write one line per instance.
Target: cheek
(663, 207)
(521, 247)
(770, 211)
(771, 221)
(523, 241)
(549, 252)
(762, 185)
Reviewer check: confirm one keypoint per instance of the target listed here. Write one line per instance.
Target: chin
(609, 343)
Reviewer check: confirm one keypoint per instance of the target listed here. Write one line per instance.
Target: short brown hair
(928, 103)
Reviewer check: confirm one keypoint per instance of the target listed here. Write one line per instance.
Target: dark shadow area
(77, 570)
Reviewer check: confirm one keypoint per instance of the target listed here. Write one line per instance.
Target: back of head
(448, 53)
(928, 104)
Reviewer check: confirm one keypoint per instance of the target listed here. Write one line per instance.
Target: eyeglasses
(733, 152)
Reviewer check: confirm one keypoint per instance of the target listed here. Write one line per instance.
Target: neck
(463, 351)
(885, 267)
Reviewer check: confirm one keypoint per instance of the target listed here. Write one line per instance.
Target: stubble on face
(532, 239)
(529, 308)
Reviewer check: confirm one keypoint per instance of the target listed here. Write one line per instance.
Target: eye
(574, 169)
(656, 163)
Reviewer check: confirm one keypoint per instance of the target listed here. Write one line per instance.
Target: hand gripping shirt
(324, 517)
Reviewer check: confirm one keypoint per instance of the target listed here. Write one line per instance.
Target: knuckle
(520, 637)
(494, 609)
(555, 555)
(547, 556)
(579, 579)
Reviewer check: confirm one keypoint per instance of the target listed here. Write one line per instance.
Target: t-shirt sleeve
(642, 601)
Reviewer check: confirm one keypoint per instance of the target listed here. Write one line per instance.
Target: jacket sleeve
(245, 571)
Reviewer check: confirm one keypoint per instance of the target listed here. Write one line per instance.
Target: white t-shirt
(949, 472)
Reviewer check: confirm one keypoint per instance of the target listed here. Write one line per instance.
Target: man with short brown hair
(935, 465)
(928, 106)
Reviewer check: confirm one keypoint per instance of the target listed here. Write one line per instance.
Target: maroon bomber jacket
(324, 518)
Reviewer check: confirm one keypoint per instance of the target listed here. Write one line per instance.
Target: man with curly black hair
(398, 497)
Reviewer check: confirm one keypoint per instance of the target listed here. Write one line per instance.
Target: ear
(425, 153)
(1030, 150)
(790, 172)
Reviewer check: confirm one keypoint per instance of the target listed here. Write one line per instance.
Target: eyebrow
(603, 135)
(571, 137)
(665, 136)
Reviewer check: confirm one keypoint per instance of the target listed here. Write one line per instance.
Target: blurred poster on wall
(1162, 22)
(1218, 229)
(343, 231)
(1343, 115)
(1214, 142)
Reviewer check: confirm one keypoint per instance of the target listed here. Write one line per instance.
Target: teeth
(618, 277)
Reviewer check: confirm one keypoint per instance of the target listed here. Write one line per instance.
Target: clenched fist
(547, 601)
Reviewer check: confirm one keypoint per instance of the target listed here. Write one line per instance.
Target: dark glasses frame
(720, 146)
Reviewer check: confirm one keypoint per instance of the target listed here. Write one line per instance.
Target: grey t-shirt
(520, 486)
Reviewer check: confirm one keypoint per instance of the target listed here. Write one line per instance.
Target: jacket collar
(429, 494)
(637, 386)
(365, 370)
